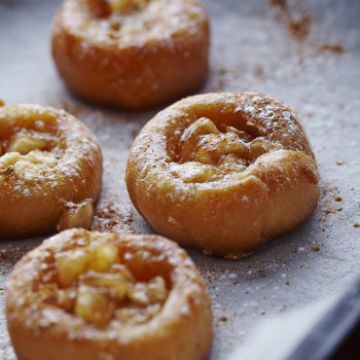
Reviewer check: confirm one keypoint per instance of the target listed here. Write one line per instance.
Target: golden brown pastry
(50, 171)
(85, 296)
(131, 54)
(223, 172)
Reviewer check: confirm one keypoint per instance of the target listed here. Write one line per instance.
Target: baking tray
(336, 334)
(306, 53)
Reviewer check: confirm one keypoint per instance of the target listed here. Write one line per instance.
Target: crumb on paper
(280, 3)
(223, 318)
(333, 48)
(134, 133)
(297, 20)
(299, 27)
(330, 198)
(315, 247)
(331, 210)
(356, 225)
(259, 72)
(2, 254)
(340, 162)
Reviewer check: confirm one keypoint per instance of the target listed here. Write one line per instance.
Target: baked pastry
(83, 295)
(223, 172)
(131, 54)
(50, 171)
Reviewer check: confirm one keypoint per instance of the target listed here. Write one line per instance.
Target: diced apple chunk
(31, 164)
(261, 146)
(25, 144)
(243, 135)
(154, 291)
(41, 157)
(231, 163)
(193, 172)
(138, 294)
(202, 155)
(201, 126)
(117, 283)
(70, 265)
(102, 256)
(124, 6)
(9, 159)
(157, 291)
(93, 306)
(119, 5)
(190, 139)
(66, 298)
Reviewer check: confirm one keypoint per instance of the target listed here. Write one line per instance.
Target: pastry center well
(92, 283)
(28, 150)
(207, 154)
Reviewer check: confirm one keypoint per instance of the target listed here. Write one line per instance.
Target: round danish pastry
(83, 295)
(223, 172)
(50, 171)
(131, 53)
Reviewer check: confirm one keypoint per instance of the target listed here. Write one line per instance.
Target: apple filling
(28, 153)
(91, 283)
(111, 9)
(126, 6)
(207, 154)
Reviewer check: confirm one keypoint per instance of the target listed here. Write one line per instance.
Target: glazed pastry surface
(223, 172)
(83, 295)
(131, 54)
(50, 171)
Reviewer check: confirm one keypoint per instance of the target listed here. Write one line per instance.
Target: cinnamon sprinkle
(333, 48)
